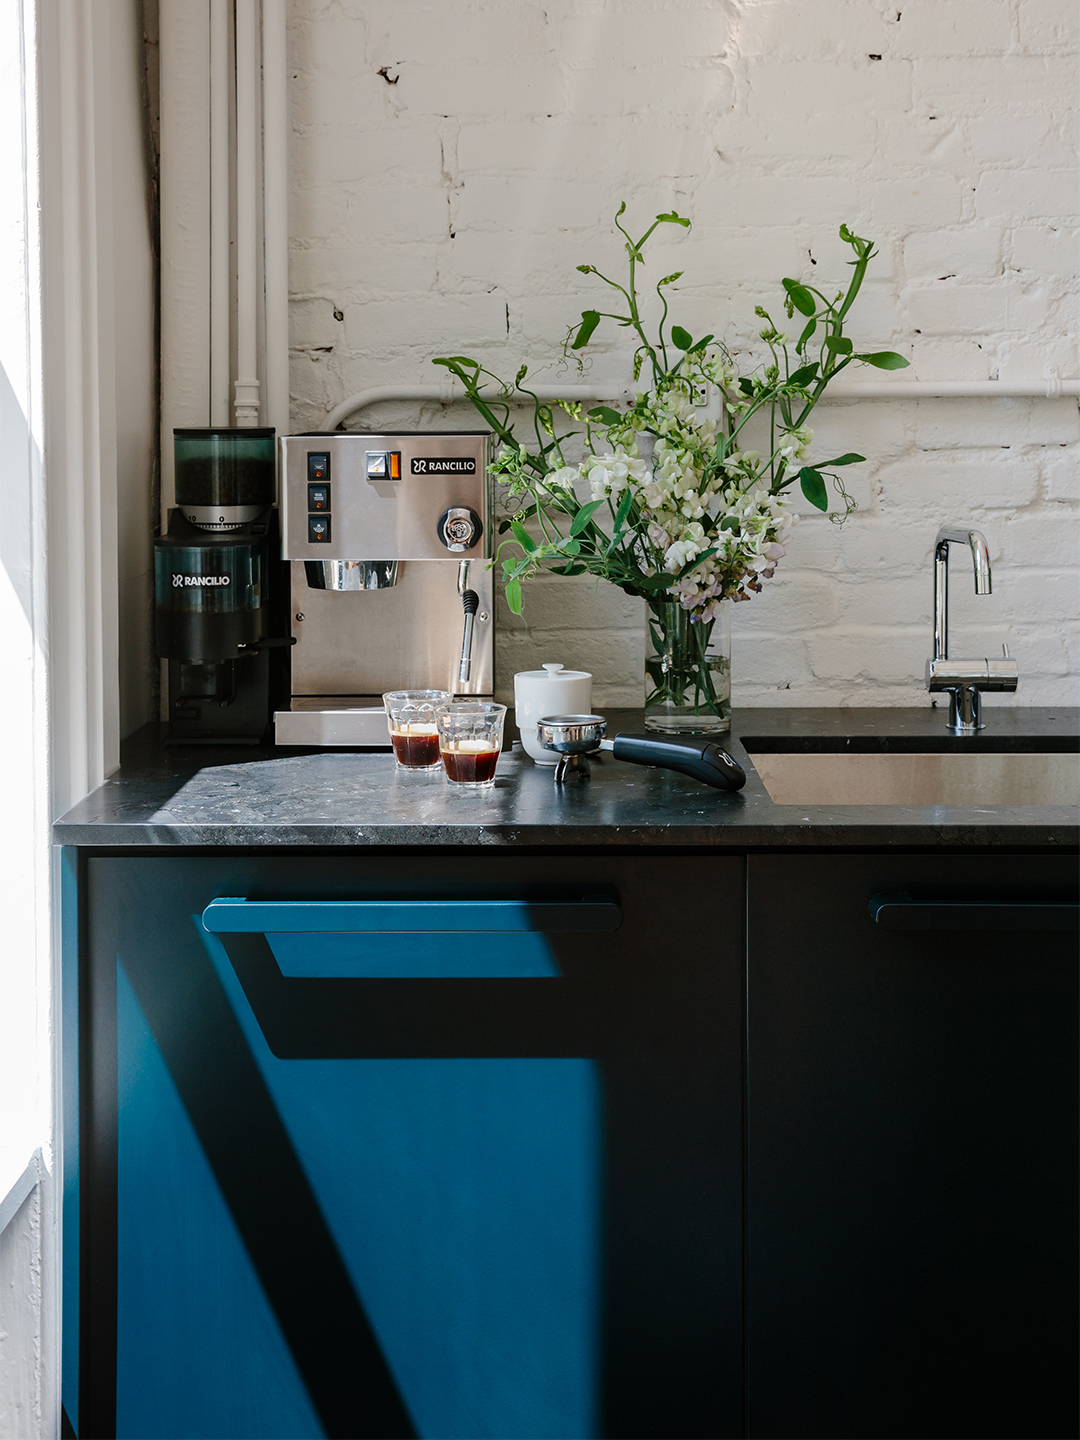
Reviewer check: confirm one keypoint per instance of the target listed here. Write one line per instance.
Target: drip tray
(333, 720)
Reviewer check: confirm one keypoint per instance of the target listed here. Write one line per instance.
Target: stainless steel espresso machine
(389, 538)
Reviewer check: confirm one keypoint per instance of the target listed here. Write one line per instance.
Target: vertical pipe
(941, 600)
(220, 198)
(246, 386)
(276, 213)
(185, 224)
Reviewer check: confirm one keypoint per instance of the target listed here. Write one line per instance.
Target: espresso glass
(414, 730)
(470, 741)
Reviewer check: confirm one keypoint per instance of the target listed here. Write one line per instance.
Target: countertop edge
(809, 834)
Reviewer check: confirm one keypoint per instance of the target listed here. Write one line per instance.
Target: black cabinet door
(912, 1153)
(412, 1181)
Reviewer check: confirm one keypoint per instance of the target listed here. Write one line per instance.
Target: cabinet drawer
(347, 1173)
(912, 1144)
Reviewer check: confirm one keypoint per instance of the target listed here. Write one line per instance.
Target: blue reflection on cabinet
(397, 956)
(463, 1195)
(200, 1351)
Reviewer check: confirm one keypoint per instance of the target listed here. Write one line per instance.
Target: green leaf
(513, 568)
(513, 596)
(884, 360)
(673, 218)
(731, 522)
(803, 376)
(605, 415)
(567, 546)
(813, 487)
(583, 516)
(682, 338)
(849, 459)
(745, 386)
(838, 344)
(650, 583)
(568, 569)
(522, 536)
(697, 560)
(807, 335)
(623, 510)
(800, 297)
(590, 319)
(700, 344)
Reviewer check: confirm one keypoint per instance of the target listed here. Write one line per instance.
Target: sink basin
(977, 777)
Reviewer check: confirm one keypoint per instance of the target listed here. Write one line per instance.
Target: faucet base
(965, 710)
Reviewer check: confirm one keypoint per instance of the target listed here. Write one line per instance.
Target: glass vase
(687, 670)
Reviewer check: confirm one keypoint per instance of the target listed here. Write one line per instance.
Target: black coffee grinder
(221, 591)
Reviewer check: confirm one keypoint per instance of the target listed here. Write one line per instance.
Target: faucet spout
(980, 554)
(963, 679)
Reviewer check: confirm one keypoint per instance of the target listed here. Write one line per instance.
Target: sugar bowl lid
(552, 671)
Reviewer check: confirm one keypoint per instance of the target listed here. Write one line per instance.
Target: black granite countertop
(172, 797)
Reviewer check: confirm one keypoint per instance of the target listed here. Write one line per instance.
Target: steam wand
(470, 603)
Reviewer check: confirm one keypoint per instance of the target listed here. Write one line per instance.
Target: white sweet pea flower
(565, 477)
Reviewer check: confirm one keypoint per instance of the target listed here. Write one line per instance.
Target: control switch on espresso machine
(384, 592)
(384, 464)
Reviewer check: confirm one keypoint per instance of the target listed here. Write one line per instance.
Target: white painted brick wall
(444, 204)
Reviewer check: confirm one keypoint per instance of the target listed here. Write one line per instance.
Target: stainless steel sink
(955, 778)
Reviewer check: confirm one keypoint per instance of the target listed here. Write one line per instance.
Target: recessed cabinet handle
(900, 911)
(230, 915)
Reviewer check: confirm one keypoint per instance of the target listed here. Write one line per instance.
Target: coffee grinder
(388, 539)
(221, 591)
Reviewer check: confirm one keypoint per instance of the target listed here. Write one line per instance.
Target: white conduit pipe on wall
(220, 257)
(185, 224)
(275, 215)
(246, 385)
(885, 390)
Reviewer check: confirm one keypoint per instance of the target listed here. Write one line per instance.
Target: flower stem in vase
(687, 670)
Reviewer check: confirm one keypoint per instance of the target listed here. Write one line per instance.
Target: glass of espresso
(414, 731)
(470, 738)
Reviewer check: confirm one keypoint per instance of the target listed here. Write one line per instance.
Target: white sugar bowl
(552, 690)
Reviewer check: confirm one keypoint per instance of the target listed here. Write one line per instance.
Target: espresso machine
(388, 539)
(221, 595)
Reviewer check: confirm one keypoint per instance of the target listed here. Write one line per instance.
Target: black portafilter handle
(697, 756)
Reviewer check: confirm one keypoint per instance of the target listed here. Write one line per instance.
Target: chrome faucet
(965, 680)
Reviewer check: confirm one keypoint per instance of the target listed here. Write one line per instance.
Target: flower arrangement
(666, 501)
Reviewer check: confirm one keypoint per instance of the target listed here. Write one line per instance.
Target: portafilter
(575, 737)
